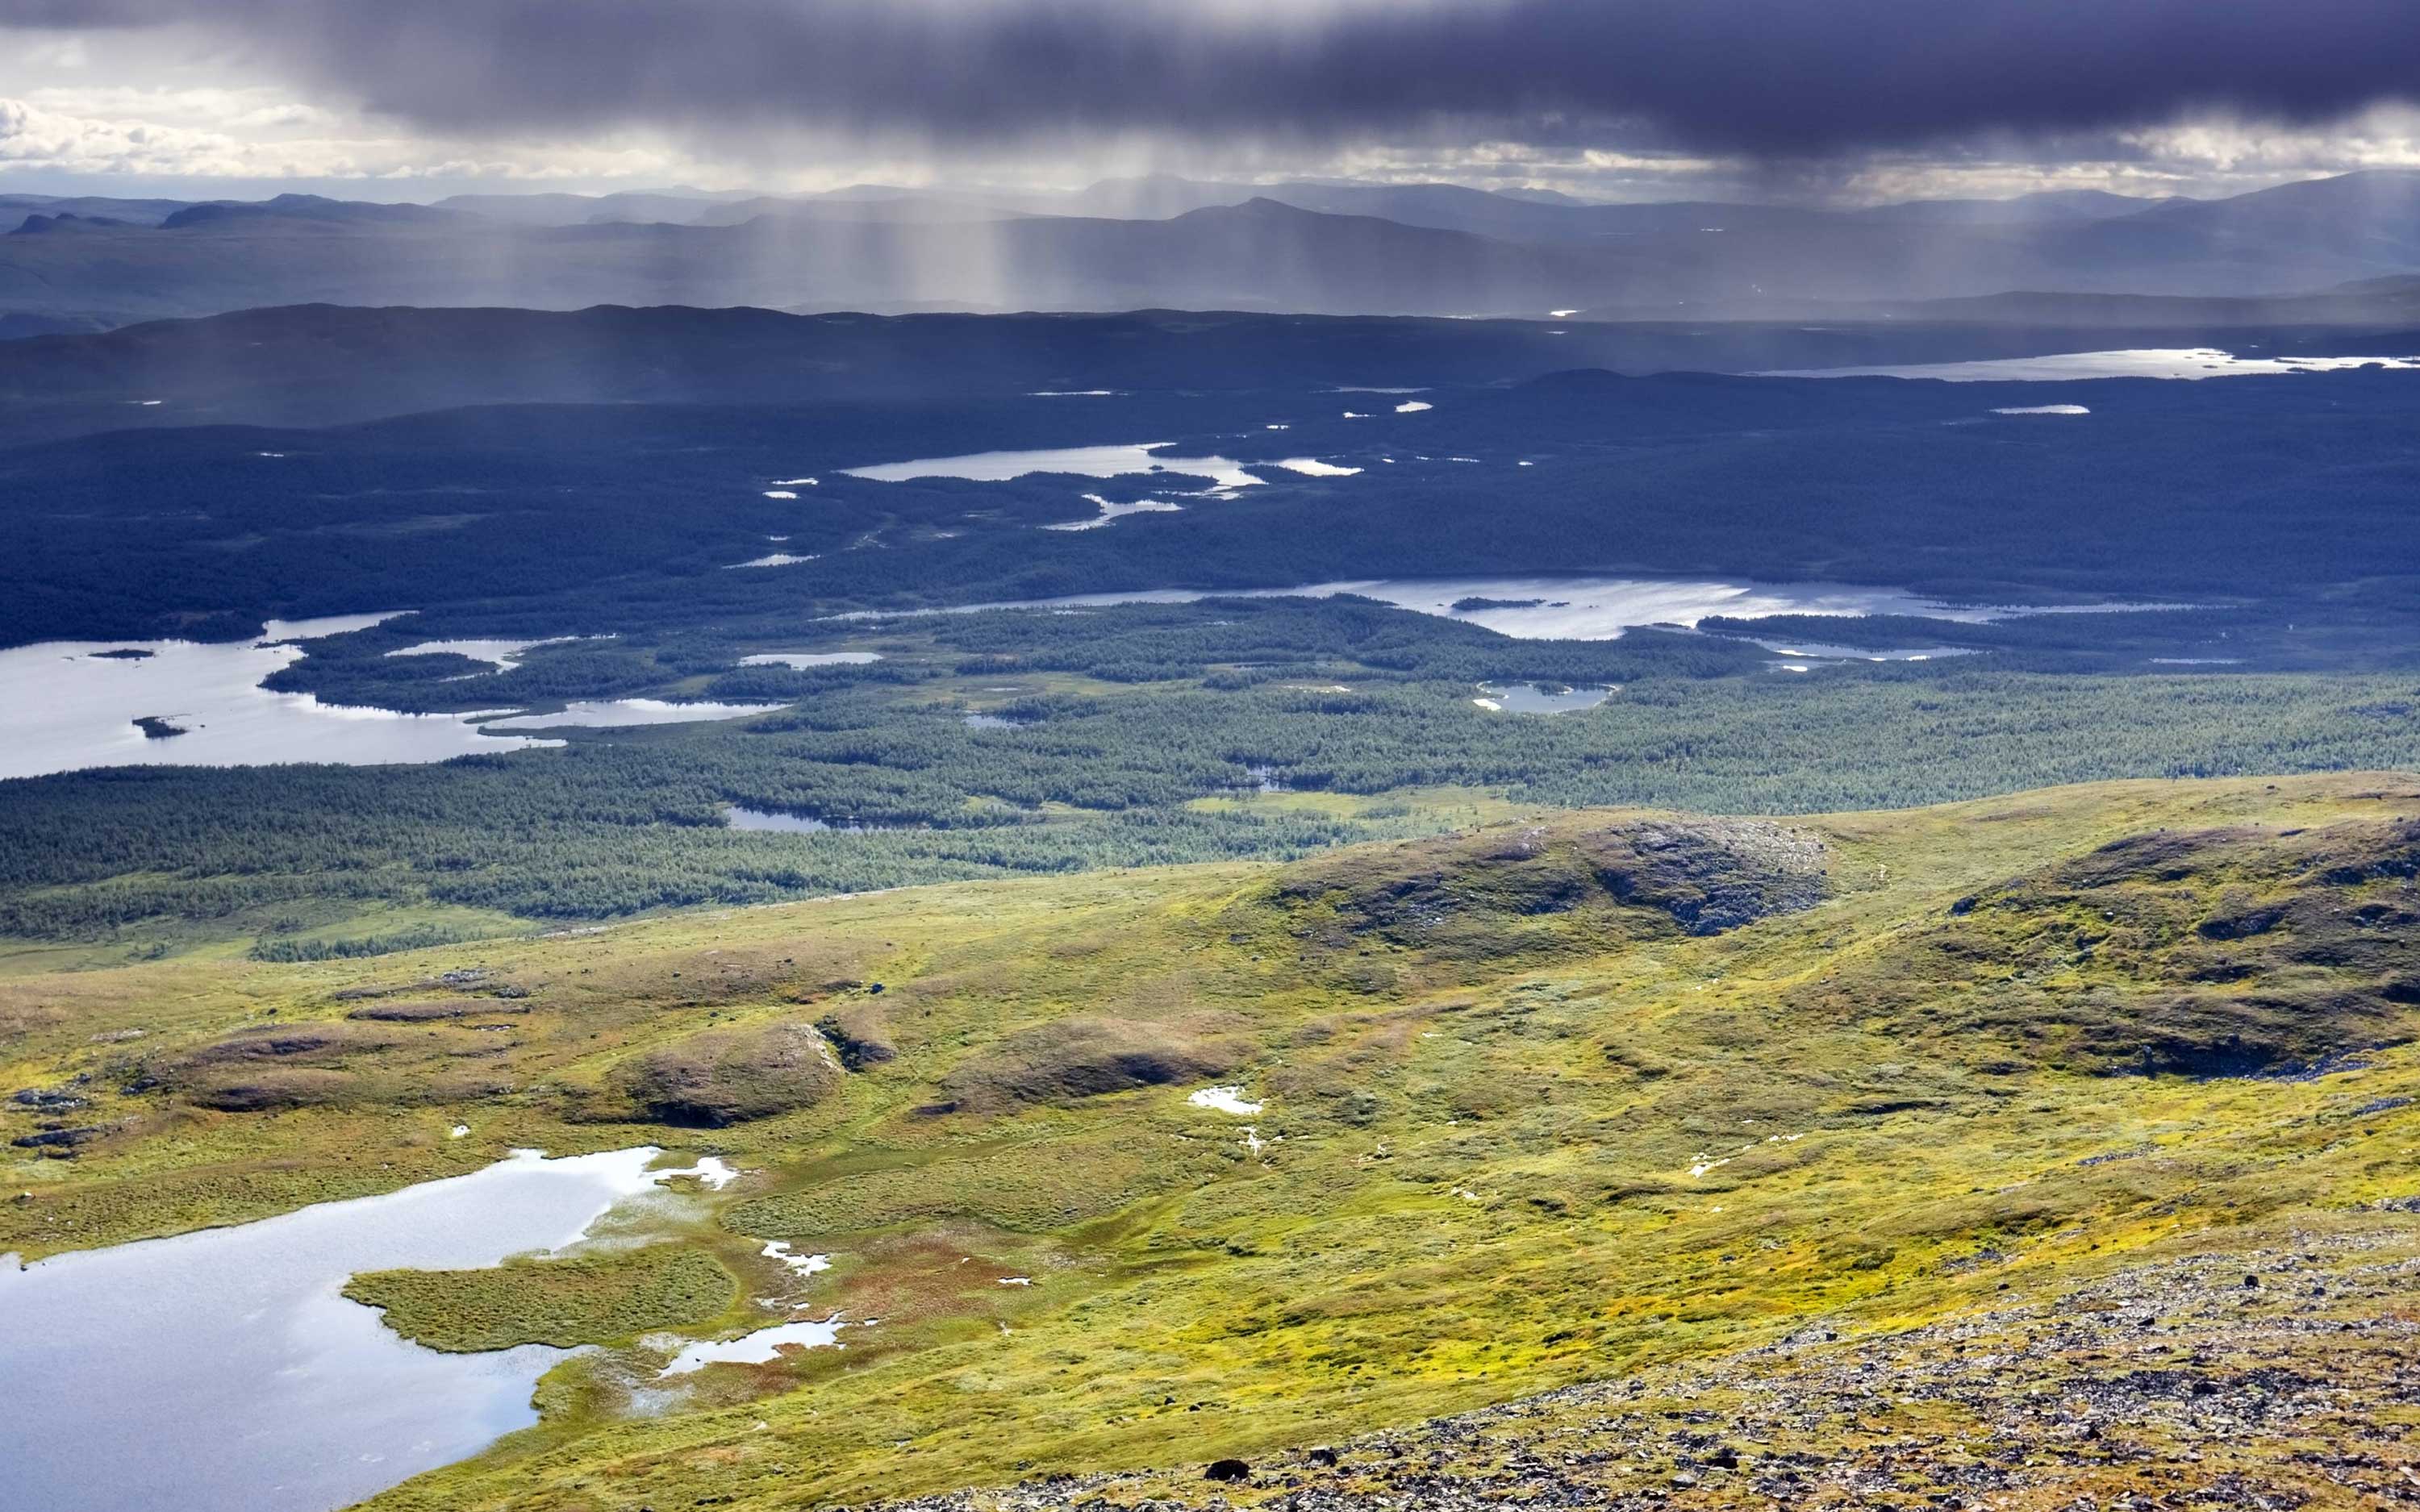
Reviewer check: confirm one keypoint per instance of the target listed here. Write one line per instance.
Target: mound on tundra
(861, 1034)
(2236, 952)
(726, 1076)
(1492, 893)
(439, 1010)
(1080, 1057)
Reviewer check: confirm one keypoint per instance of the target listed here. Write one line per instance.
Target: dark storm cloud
(1771, 77)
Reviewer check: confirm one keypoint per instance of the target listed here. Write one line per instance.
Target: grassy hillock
(585, 1300)
(1589, 1097)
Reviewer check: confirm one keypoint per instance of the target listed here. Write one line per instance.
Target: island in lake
(156, 727)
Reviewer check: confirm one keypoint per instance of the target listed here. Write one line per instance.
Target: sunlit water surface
(66, 706)
(224, 1371)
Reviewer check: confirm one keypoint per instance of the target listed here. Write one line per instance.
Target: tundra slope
(1592, 1098)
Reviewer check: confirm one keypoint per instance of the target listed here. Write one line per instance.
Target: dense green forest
(2260, 528)
(591, 519)
(1105, 731)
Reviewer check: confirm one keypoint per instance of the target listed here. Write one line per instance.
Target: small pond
(1535, 698)
(224, 1371)
(771, 822)
(623, 714)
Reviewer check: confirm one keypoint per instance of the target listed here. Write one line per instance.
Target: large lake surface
(1139, 458)
(1560, 607)
(224, 1371)
(68, 705)
(2147, 361)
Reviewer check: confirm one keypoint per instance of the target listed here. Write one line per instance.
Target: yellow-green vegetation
(594, 1299)
(1562, 1099)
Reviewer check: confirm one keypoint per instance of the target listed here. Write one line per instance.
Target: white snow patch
(1226, 1099)
(779, 1249)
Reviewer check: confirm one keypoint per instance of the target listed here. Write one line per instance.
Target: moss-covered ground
(586, 1299)
(1551, 1103)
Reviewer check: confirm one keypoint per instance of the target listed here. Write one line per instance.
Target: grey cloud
(1763, 77)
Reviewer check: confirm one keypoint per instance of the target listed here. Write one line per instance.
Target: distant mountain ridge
(1339, 248)
(326, 364)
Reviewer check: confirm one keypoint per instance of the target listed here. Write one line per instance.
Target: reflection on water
(222, 1371)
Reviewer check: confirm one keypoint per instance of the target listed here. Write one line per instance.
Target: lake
(1109, 511)
(2150, 361)
(1534, 697)
(1560, 608)
(1073, 461)
(802, 660)
(224, 1371)
(66, 706)
(501, 655)
(1573, 607)
(765, 822)
(624, 714)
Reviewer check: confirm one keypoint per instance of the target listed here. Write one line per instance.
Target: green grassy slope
(1577, 1098)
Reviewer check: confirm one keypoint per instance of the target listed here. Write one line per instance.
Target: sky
(1821, 100)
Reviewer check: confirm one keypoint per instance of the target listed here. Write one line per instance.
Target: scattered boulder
(1228, 1472)
(59, 1138)
(48, 1100)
